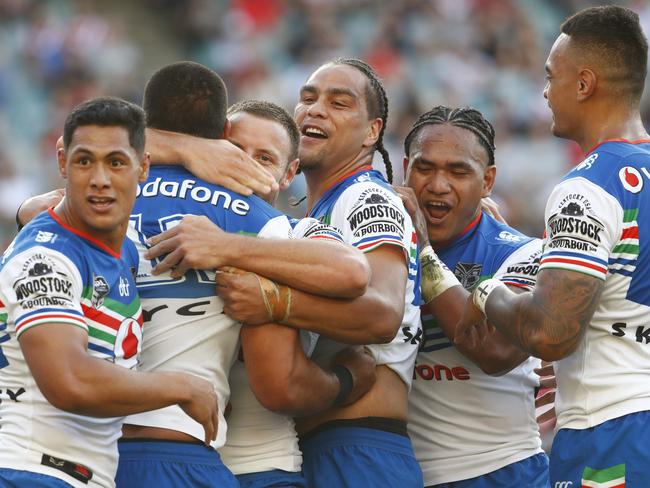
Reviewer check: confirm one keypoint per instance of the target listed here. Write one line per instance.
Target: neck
(618, 124)
(112, 240)
(319, 179)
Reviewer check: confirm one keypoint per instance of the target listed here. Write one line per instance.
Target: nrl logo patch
(100, 290)
(468, 274)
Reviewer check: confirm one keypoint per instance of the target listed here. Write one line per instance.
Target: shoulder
(501, 236)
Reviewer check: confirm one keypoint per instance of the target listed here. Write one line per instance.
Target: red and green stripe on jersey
(613, 477)
(625, 254)
(106, 325)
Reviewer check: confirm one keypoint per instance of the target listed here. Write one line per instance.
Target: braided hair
(376, 104)
(465, 118)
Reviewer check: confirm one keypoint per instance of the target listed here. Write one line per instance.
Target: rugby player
(342, 116)
(187, 299)
(71, 317)
(589, 309)
(469, 429)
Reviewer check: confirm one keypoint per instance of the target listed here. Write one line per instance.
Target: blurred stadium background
(486, 53)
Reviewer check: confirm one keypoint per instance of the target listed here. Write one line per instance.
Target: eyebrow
(330, 91)
(452, 164)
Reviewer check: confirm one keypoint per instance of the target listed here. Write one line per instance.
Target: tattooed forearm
(550, 322)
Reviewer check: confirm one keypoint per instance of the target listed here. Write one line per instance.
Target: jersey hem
(581, 422)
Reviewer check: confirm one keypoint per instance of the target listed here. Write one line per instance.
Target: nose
(100, 177)
(545, 92)
(316, 109)
(438, 184)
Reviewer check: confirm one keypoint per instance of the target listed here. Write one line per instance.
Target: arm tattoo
(551, 321)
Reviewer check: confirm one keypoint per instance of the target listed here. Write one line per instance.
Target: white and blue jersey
(597, 223)
(260, 441)
(185, 327)
(368, 213)
(463, 422)
(54, 274)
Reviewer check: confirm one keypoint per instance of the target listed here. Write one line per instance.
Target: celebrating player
(72, 318)
(469, 428)
(589, 309)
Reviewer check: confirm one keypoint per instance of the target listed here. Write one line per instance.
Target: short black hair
(376, 104)
(465, 117)
(275, 113)
(614, 35)
(107, 111)
(186, 97)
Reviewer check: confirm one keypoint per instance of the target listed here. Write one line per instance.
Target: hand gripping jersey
(597, 223)
(463, 422)
(260, 440)
(54, 274)
(369, 214)
(185, 329)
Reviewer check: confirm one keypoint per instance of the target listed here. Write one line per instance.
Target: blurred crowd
(485, 53)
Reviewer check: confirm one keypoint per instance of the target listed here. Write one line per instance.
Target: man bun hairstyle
(376, 104)
(466, 118)
(186, 97)
(275, 113)
(614, 36)
(107, 111)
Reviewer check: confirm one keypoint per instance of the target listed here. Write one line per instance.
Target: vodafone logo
(631, 179)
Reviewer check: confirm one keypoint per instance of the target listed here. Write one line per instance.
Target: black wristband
(346, 383)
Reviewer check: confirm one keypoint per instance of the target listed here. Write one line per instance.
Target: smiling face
(333, 118)
(448, 171)
(561, 90)
(267, 142)
(102, 171)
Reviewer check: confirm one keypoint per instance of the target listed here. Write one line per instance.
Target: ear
(59, 143)
(145, 162)
(587, 83)
(226, 129)
(60, 156)
(405, 164)
(488, 180)
(289, 174)
(373, 132)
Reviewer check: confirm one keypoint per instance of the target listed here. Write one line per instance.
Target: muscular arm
(492, 351)
(72, 380)
(549, 322)
(214, 160)
(373, 317)
(295, 385)
(312, 265)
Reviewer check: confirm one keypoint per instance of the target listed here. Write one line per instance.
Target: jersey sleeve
(583, 222)
(309, 228)
(370, 216)
(42, 286)
(278, 227)
(521, 266)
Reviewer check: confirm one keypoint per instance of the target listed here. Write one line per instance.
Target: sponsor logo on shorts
(563, 484)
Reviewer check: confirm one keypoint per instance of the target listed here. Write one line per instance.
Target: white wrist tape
(482, 292)
(436, 276)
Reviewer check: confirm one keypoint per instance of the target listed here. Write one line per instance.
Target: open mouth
(100, 203)
(437, 211)
(312, 131)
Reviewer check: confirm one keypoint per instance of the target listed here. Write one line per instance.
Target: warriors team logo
(631, 179)
(468, 274)
(100, 290)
